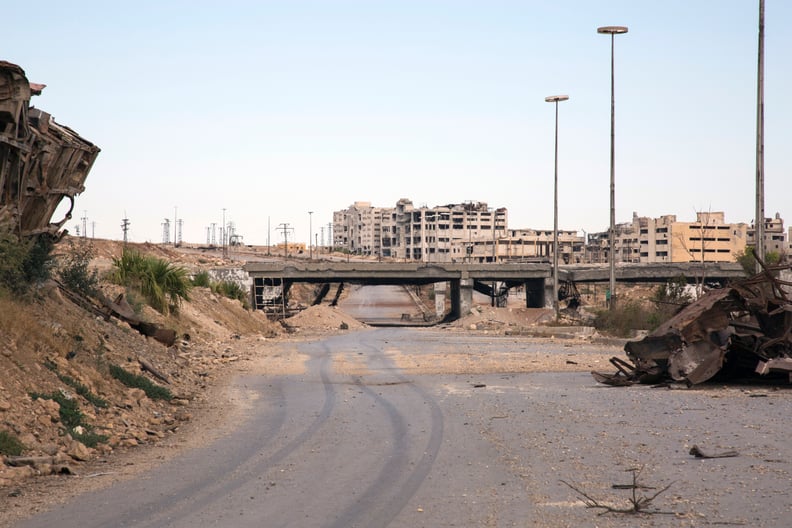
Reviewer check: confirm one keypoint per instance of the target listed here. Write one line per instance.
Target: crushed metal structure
(740, 332)
(41, 161)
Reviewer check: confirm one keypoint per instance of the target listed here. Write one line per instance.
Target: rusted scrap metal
(738, 332)
(41, 162)
(120, 308)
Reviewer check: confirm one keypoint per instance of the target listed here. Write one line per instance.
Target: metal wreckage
(739, 333)
(41, 162)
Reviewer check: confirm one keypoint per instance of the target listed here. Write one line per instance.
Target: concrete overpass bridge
(463, 278)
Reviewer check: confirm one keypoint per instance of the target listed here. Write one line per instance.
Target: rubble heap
(742, 331)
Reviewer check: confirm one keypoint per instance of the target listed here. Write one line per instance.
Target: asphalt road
(379, 304)
(356, 441)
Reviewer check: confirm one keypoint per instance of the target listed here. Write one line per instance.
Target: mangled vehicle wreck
(41, 162)
(742, 332)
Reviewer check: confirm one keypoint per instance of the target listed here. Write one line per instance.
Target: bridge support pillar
(461, 297)
(548, 293)
(440, 297)
(535, 293)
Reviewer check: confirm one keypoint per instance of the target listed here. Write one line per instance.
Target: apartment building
(708, 239)
(428, 234)
(471, 232)
(665, 239)
(537, 245)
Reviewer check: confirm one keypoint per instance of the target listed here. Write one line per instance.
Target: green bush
(74, 271)
(232, 290)
(24, 263)
(10, 444)
(163, 285)
(202, 280)
(135, 381)
(626, 318)
(226, 288)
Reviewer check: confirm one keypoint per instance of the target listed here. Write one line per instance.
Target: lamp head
(556, 98)
(612, 30)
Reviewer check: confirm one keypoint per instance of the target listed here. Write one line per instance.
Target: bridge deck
(424, 273)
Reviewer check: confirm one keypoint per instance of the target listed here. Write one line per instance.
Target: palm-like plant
(163, 285)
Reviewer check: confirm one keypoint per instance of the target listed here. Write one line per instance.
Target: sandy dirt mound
(322, 319)
(503, 319)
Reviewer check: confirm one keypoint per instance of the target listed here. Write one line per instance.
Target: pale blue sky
(273, 109)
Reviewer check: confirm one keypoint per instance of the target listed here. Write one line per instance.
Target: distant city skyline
(270, 110)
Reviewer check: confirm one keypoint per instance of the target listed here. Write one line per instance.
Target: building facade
(467, 232)
(665, 239)
(774, 235)
(428, 234)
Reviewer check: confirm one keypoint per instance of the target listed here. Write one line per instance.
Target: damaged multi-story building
(430, 234)
(471, 231)
(775, 239)
(665, 239)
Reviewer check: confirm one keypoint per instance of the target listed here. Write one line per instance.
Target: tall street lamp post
(555, 99)
(612, 31)
(759, 225)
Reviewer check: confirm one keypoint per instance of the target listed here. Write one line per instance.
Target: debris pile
(740, 332)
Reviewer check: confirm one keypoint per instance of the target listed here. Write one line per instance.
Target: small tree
(747, 259)
(74, 271)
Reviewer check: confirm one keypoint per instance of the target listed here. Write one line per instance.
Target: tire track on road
(395, 484)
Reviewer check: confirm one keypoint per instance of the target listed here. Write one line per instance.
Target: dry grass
(21, 328)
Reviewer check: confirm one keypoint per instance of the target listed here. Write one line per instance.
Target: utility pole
(125, 227)
(284, 228)
(223, 235)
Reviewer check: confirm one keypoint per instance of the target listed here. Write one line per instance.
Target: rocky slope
(55, 354)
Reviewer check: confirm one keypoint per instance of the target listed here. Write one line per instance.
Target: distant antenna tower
(166, 231)
(85, 225)
(125, 227)
(214, 229)
(179, 224)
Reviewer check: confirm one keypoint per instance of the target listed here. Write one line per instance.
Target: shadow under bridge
(461, 278)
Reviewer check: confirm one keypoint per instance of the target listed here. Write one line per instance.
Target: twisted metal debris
(740, 332)
(41, 162)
